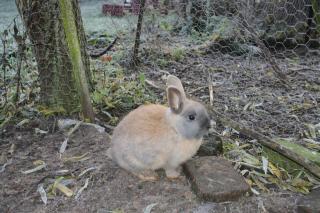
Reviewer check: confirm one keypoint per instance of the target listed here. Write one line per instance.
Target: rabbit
(155, 137)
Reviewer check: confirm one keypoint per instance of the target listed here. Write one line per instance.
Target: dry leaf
(77, 158)
(149, 208)
(3, 167)
(82, 188)
(42, 193)
(87, 170)
(65, 190)
(274, 170)
(34, 169)
(265, 164)
(63, 146)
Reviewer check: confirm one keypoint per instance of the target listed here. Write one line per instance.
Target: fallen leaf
(12, 148)
(3, 167)
(65, 190)
(87, 170)
(63, 146)
(34, 169)
(274, 170)
(255, 191)
(77, 158)
(23, 122)
(265, 164)
(82, 188)
(40, 132)
(106, 58)
(149, 208)
(42, 193)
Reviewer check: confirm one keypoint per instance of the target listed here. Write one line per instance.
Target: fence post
(138, 33)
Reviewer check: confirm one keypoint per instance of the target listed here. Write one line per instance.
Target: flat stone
(309, 203)
(214, 179)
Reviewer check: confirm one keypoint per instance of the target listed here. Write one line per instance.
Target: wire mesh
(233, 45)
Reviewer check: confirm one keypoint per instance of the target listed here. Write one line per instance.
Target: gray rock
(214, 179)
(212, 145)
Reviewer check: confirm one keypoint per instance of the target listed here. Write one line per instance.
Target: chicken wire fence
(234, 32)
(265, 28)
(249, 51)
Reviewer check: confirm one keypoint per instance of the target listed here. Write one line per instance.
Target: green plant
(162, 62)
(119, 94)
(178, 54)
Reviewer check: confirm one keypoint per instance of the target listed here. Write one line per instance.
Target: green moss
(79, 75)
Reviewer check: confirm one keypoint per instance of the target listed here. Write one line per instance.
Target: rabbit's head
(189, 118)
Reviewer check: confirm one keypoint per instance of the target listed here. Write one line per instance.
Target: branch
(97, 55)
(268, 142)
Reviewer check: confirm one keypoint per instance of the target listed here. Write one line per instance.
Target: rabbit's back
(143, 139)
(146, 120)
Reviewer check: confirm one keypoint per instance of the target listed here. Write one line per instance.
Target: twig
(210, 85)
(197, 89)
(152, 84)
(97, 55)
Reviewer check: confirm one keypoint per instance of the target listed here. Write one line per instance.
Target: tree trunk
(79, 72)
(58, 69)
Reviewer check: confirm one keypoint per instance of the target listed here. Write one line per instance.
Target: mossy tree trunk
(60, 52)
(73, 42)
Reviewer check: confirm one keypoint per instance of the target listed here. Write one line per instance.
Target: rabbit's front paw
(172, 174)
(147, 175)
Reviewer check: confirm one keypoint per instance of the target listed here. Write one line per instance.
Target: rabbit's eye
(192, 117)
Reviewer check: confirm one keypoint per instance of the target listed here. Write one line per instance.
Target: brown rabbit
(154, 136)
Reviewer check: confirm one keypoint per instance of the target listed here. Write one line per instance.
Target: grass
(91, 11)
(8, 12)
(95, 21)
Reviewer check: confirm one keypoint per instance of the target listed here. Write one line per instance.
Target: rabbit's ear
(175, 82)
(175, 99)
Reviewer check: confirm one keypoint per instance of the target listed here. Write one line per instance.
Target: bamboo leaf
(38, 168)
(65, 190)
(42, 193)
(274, 170)
(81, 189)
(149, 208)
(265, 164)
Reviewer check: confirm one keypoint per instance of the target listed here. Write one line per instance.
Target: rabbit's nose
(207, 123)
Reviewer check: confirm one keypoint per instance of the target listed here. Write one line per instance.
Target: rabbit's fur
(154, 136)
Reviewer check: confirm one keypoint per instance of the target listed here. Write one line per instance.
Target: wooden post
(135, 58)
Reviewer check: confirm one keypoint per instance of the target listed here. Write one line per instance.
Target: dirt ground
(110, 188)
(241, 82)
(245, 89)
(238, 81)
